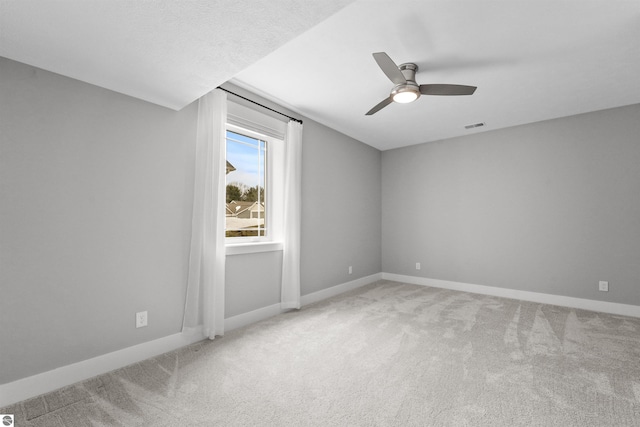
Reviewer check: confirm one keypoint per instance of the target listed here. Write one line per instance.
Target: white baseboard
(57, 378)
(45, 382)
(263, 313)
(339, 289)
(244, 319)
(580, 303)
(70, 374)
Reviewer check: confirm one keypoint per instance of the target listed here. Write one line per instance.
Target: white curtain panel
(290, 293)
(204, 304)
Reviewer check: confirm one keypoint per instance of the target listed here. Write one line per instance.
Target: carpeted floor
(387, 354)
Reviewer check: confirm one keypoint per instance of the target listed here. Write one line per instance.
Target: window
(254, 184)
(246, 196)
(254, 208)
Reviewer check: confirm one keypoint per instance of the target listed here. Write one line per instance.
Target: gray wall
(549, 207)
(341, 211)
(341, 217)
(96, 192)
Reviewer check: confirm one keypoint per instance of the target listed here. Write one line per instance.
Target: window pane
(246, 190)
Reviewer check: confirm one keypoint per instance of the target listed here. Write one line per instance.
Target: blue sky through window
(247, 155)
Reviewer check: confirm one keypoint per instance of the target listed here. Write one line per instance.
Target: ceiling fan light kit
(406, 89)
(404, 95)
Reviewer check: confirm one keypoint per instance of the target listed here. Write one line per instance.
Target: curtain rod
(263, 106)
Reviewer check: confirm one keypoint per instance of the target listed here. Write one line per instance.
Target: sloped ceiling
(168, 52)
(531, 60)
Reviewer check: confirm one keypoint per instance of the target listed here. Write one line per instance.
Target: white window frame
(274, 198)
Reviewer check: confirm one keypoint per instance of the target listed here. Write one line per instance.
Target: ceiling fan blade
(447, 90)
(389, 68)
(380, 106)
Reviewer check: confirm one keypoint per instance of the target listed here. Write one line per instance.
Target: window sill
(252, 248)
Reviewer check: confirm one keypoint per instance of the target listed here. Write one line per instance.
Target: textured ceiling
(532, 60)
(169, 52)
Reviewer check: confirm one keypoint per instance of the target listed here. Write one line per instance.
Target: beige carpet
(388, 354)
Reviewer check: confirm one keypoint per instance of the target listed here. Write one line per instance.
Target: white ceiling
(169, 52)
(532, 60)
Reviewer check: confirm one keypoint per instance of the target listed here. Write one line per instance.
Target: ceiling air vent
(475, 125)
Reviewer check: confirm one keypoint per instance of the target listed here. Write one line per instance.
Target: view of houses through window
(246, 171)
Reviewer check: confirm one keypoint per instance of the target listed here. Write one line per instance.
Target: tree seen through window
(246, 190)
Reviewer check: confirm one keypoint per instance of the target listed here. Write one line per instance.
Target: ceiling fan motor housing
(409, 71)
(409, 91)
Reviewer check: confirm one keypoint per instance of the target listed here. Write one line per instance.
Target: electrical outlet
(603, 286)
(141, 319)
(417, 266)
(350, 270)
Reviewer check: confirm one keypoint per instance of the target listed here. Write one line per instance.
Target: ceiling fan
(406, 89)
